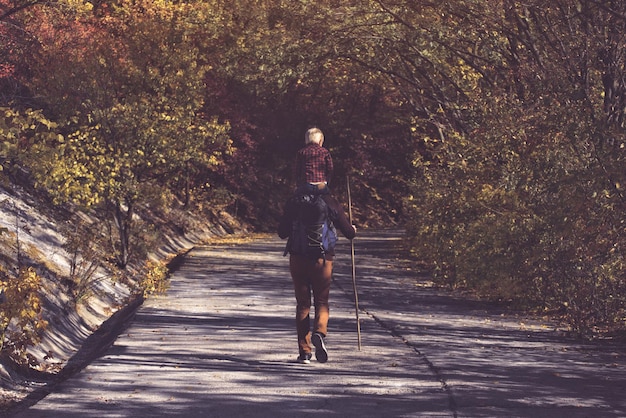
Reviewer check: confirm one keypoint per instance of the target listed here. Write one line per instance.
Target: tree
(21, 322)
(527, 202)
(127, 89)
(286, 66)
(498, 124)
(14, 42)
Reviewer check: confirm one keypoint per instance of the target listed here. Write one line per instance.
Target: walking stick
(356, 296)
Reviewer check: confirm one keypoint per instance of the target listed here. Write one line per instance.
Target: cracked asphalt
(222, 343)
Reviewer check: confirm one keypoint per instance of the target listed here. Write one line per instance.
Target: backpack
(313, 233)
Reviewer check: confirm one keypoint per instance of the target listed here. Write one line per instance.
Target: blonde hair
(314, 135)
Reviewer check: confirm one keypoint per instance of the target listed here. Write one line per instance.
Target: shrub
(21, 322)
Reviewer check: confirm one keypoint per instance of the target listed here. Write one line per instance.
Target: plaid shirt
(313, 165)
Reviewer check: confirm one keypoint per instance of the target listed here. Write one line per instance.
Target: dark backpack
(312, 233)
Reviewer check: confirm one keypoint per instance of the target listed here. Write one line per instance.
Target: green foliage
(17, 130)
(495, 130)
(288, 65)
(21, 323)
(154, 278)
(526, 204)
(130, 117)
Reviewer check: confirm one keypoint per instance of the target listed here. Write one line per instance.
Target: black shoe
(304, 358)
(321, 354)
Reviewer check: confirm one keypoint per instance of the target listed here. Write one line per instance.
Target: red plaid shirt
(313, 165)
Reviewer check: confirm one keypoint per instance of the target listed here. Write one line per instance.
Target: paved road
(222, 344)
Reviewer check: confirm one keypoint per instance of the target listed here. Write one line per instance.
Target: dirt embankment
(32, 235)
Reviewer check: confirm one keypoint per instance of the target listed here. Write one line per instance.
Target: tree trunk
(123, 223)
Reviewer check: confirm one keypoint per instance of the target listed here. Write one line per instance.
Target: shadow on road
(494, 363)
(222, 344)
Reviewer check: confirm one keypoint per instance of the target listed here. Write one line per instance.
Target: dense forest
(491, 130)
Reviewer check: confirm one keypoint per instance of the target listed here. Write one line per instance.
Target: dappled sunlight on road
(222, 343)
(494, 363)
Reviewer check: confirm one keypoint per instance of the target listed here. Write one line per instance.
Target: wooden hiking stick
(356, 297)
